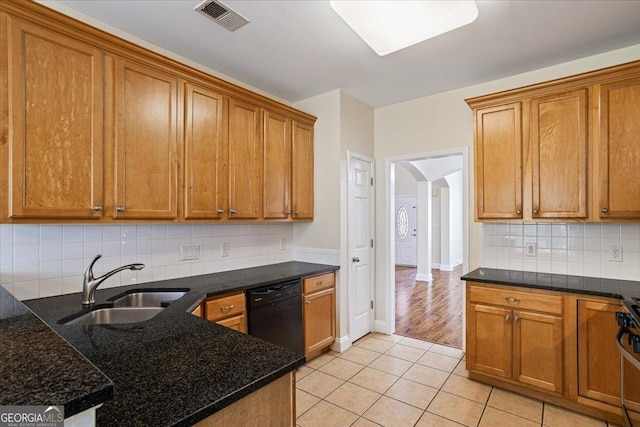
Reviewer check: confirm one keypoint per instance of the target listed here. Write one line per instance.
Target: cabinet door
(619, 151)
(559, 143)
(277, 166)
(319, 320)
(498, 162)
(302, 171)
(56, 122)
(237, 323)
(245, 161)
(537, 350)
(598, 356)
(205, 154)
(146, 143)
(489, 340)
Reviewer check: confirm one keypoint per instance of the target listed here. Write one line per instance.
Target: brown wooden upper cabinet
(619, 150)
(563, 150)
(302, 180)
(96, 128)
(205, 154)
(558, 129)
(288, 168)
(146, 162)
(245, 160)
(277, 166)
(498, 160)
(55, 89)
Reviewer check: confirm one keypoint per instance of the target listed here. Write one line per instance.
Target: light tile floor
(389, 380)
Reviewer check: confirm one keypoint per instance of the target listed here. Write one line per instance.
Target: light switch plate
(283, 243)
(530, 249)
(224, 249)
(189, 252)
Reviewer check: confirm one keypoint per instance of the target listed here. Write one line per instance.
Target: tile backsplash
(43, 260)
(573, 248)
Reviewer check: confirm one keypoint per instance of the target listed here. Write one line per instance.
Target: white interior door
(406, 248)
(360, 246)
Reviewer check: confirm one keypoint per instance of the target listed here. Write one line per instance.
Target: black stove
(633, 306)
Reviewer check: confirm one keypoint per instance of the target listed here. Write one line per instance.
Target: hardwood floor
(430, 311)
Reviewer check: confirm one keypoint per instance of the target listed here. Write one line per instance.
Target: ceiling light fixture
(388, 26)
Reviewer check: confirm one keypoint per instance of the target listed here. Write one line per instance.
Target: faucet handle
(89, 273)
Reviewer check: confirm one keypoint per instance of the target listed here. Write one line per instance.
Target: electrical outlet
(283, 243)
(615, 253)
(530, 249)
(224, 249)
(189, 252)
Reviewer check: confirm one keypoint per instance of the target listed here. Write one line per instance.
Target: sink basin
(112, 316)
(147, 297)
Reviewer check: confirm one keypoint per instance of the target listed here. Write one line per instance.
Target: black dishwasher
(275, 314)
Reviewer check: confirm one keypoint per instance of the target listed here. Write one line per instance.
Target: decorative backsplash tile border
(564, 248)
(45, 260)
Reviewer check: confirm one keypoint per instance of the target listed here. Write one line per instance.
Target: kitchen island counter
(178, 369)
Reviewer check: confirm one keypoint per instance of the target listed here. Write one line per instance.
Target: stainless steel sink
(115, 315)
(147, 298)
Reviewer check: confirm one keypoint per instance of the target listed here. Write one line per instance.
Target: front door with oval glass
(405, 222)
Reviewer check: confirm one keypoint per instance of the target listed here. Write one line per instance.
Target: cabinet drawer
(225, 306)
(317, 283)
(516, 300)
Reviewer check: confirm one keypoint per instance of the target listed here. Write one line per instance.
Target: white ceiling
(297, 49)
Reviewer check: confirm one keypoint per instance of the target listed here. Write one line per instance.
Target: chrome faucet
(90, 284)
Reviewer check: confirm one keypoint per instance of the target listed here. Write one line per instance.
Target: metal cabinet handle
(321, 283)
(308, 302)
(604, 210)
(295, 212)
(120, 208)
(512, 300)
(226, 307)
(507, 317)
(220, 211)
(355, 259)
(232, 211)
(288, 213)
(535, 211)
(519, 212)
(516, 318)
(97, 208)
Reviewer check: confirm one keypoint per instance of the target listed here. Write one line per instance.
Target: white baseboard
(446, 267)
(424, 277)
(435, 265)
(382, 327)
(341, 344)
(456, 263)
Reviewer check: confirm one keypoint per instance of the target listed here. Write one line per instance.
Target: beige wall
(324, 231)
(406, 184)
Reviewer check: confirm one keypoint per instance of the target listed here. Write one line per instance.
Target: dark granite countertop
(177, 369)
(556, 282)
(37, 367)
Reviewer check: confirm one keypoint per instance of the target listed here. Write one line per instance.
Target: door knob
(220, 211)
(97, 208)
(120, 208)
(355, 259)
(604, 210)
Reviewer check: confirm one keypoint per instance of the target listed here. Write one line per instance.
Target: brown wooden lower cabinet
(598, 357)
(198, 311)
(228, 310)
(516, 344)
(555, 346)
(319, 314)
(272, 405)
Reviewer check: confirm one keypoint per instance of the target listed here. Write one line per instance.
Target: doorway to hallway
(430, 311)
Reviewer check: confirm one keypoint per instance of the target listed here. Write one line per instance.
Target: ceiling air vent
(222, 14)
